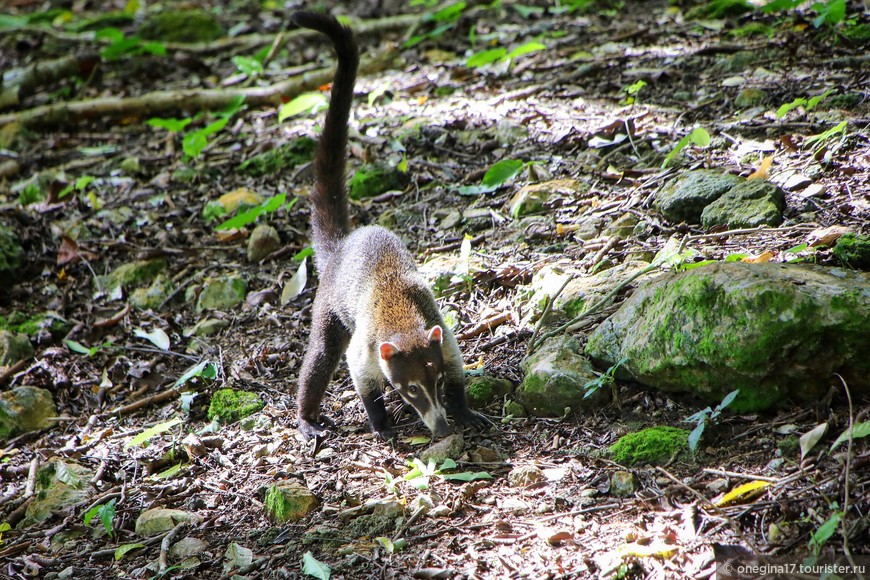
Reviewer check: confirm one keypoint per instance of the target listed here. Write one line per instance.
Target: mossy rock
(31, 325)
(280, 158)
(133, 273)
(371, 526)
(374, 179)
(854, 251)
(289, 502)
(222, 293)
(556, 375)
(25, 409)
(653, 445)
(778, 332)
(230, 405)
(152, 297)
(14, 347)
(752, 203)
(181, 26)
(484, 389)
(10, 253)
(684, 198)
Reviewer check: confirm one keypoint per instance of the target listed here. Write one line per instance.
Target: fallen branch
(161, 102)
(485, 325)
(240, 43)
(18, 84)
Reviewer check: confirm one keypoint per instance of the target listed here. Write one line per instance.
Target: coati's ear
(435, 334)
(388, 350)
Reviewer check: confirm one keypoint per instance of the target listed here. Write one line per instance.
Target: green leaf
(485, 57)
(124, 548)
(695, 436)
(314, 567)
(466, 476)
(387, 543)
(859, 430)
(301, 104)
(65, 475)
(193, 143)
(783, 110)
(502, 172)
(699, 136)
(9, 21)
(91, 514)
(303, 253)
(796, 249)
(822, 137)
(249, 216)
(809, 439)
(232, 107)
(171, 125)
(735, 257)
(526, 48)
(79, 348)
(110, 34)
(825, 531)
(248, 66)
(452, 12)
(170, 472)
(448, 464)
(729, 398)
(475, 189)
(814, 101)
(152, 432)
(780, 5)
(155, 48)
(106, 513)
(205, 369)
(830, 12)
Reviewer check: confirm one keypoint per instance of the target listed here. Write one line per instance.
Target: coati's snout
(414, 373)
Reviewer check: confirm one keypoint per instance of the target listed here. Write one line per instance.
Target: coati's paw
(385, 434)
(311, 429)
(468, 418)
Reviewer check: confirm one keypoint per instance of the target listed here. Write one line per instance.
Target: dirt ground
(563, 102)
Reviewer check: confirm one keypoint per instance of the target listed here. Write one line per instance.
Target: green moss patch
(230, 405)
(854, 251)
(181, 26)
(372, 180)
(289, 502)
(288, 155)
(653, 445)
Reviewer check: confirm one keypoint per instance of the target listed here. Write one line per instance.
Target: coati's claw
(385, 434)
(469, 418)
(311, 429)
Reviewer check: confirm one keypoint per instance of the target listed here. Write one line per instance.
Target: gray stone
(221, 293)
(484, 389)
(683, 199)
(60, 485)
(263, 241)
(532, 199)
(450, 447)
(623, 483)
(25, 409)
(775, 331)
(154, 295)
(207, 327)
(525, 475)
(555, 378)
(187, 548)
(750, 97)
(14, 347)
(752, 203)
(622, 227)
(159, 520)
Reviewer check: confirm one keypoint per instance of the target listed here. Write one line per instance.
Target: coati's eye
(412, 389)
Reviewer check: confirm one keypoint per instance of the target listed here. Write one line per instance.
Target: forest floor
(565, 108)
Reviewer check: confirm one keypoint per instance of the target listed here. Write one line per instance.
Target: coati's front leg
(368, 382)
(454, 387)
(328, 341)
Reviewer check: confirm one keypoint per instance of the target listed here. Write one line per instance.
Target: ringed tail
(329, 215)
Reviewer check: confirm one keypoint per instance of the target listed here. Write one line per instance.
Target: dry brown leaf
(760, 259)
(763, 168)
(826, 236)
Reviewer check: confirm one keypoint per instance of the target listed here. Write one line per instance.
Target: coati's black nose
(442, 429)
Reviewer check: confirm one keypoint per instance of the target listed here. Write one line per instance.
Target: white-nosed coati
(371, 302)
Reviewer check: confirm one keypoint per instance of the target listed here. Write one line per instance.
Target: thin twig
(844, 531)
(547, 308)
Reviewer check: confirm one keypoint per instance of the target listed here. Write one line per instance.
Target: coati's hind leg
(454, 387)
(328, 341)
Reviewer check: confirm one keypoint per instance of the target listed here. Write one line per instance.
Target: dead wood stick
(166, 395)
(19, 84)
(159, 102)
(166, 543)
(454, 245)
(239, 43)
(488, 324)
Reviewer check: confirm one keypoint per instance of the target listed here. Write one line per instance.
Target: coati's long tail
(329, 215)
